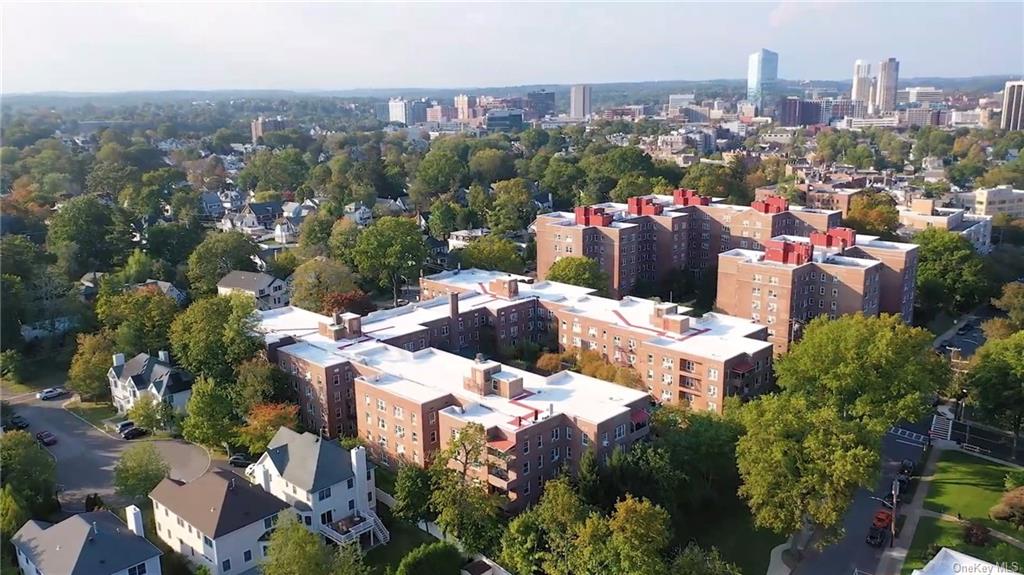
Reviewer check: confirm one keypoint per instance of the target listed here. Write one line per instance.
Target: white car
(51, 393)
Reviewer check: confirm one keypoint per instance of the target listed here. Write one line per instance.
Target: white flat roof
(875, 242)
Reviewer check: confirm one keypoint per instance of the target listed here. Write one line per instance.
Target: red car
(46, 438)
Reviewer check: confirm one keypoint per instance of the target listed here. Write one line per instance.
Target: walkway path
(893, 558)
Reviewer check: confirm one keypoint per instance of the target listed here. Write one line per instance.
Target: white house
(359, 214)
(459, 239)
(268, 291)
(147, 375)
(218, 520)
(96, 542)
(331, 489)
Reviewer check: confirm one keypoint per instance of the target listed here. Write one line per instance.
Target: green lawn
(40, 373)
(730, 528)
(933, 533)
(94, 413)
(967, 485)
(404, 538)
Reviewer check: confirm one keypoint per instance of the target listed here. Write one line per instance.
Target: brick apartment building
(796, 279)
(923, 214)
(820, 196)
(680, 359)
(408, 400)
(649, 236)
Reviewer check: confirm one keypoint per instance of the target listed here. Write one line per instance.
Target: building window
(620, 431)
(323, 494)
(433, 437)
(247, 555)
(207, 541)
(270, 522)
(225, 565)
(139, 569)
(381, 406)
(555, 454)
(568, 432)
(351, 482)
(397, 412)
(585, 439)
(555, 434)
(526, 446)
(526, 467)
(540, 441)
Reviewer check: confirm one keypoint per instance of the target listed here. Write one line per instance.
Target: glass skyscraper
(762, 75)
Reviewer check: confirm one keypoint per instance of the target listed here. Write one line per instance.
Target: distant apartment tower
(1013, 106)
(888, 81)
(861, 81)
(262, 126)
(464, 106)
(540, 103)
(418, 111)
(922, 95)
(762, 77)
(579, 101)
(381, 111)
(398, 110)
(440, 113)
(676, 102)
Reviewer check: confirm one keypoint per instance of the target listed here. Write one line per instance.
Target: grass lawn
(933, 533)
(94, 413)
(967, 485)
(404, 538)
(730, 527)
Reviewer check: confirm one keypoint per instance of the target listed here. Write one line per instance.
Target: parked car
(51, 393)
(46, 438)
(876, 536)
(882, 519)
(239, 460)
(120, 428)
(134, 433)
(17, 422)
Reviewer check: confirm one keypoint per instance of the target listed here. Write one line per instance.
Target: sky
(109, 47)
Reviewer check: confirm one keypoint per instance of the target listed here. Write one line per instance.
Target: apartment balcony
(353, 527)
(499, 478)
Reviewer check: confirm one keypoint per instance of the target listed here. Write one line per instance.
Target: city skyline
(169, 48)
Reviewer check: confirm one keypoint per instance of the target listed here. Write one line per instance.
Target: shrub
(1014, 479)
(1010, 508)
(976, 534)
(11, 366)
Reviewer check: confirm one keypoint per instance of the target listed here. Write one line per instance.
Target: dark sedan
(46, 438)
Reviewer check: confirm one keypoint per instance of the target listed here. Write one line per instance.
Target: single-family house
(268, 291)
(167, 288)
(359, 214)
(92, 543)
(147, 375)
(211, 208)
(332, 489)
(219, 520)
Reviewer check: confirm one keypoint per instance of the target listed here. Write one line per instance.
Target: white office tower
(888, 80)
(579, 102)
(861, 81)
(762, 77)
(1013, 106)
(398, 110)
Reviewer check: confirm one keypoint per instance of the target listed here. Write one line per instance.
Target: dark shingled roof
(307, 461)
(75, 547)
(218, 502)
(248, 281)
(145, 370)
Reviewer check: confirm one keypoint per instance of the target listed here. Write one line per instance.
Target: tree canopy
(214, 335)
(217, 255)
(391, 251)
(950, 274)
(139, 470)
(492, 253)
(580, 271)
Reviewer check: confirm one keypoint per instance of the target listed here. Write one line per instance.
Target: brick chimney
(785, 252)
(771, 205)
(505, 288)
(688, 197)
(480, 375)
(453, 305)
(643, 206)
(591, 216)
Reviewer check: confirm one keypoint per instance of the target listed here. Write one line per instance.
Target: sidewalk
(893, 557)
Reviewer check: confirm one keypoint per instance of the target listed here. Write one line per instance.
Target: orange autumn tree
(263, 422)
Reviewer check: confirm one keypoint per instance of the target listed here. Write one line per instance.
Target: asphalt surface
(86, 456)
(852, 552)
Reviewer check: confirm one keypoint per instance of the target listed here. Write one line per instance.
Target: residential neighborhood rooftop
(91, 543)
(217, 502)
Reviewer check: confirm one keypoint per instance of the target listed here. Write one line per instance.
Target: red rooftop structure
(688, 197)
(841, 238)
(784, 252)
(591, 216)
(643, 206)
(771, 205)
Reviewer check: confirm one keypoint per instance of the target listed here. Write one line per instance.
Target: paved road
(86, 457)
(851, 552)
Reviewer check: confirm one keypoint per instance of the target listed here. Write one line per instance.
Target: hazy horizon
(104, 48)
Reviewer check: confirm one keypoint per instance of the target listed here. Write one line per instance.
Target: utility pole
(895, 495)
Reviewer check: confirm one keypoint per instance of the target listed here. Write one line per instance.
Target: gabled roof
(218, 502)
(93, 543)
(308, 461)
(247, 281)
(268, 209)
(145, 370)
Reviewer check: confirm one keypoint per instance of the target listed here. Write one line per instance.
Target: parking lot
(86, 457)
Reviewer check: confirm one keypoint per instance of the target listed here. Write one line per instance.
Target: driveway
(86, 457)
(851, 552)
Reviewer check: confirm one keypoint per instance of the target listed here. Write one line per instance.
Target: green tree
(563, 179)
(12, 294)
(439, 172)
(214, 335)
(315, 232)
(996, 383)
(693, 560)
(257, 381)
(13, 514)
(146, 412)
(412, 493)
(801, 464)
(439, 558)
(579, 271)
(391, 251)
(139, 471)
(513, 208)
(492, 253)
(442, 220)
(172, 242)
(217, 255)
(348, 560)
(1012, 302)
(1011, 173)
(28, 470)
(875, 370)
(209, 416)
(318, 277)
(463, 509)
(629, 186)
(707, 179)
(343, 240)
(139, 320)
(87, 375)
(295, 550)
(950, 274)
(873, 213)
(588, 477)
(522, 545)
(101, 234)
(489, 165)
(20, 257)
